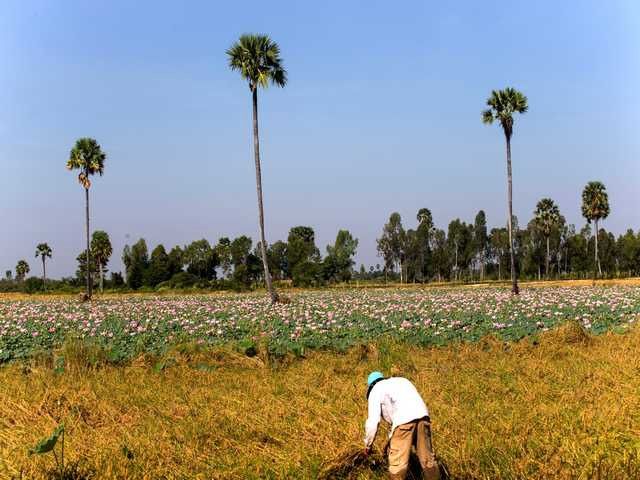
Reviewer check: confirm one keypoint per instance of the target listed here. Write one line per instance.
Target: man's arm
(371, 425)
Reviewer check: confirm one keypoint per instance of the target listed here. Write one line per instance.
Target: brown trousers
(413, 434)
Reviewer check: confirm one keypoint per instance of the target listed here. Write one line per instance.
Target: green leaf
(47, 444)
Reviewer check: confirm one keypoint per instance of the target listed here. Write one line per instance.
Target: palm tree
(257, 58)
(502, 105)
(595, 207)
(88, 157)
(43, 250)
(22, 268)
(547, 216)
(102, 250)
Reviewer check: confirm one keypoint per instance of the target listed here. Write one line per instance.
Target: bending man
(398, 402)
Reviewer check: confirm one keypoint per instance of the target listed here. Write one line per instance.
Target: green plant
(48, 444)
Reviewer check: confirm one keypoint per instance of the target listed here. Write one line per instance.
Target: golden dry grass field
(566, 405)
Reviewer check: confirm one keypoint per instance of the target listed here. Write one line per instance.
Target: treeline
(227, 264)
(547, 247)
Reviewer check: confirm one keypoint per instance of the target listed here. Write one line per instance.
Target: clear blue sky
(381, 114)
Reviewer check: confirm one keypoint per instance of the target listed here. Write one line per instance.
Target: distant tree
(81, 271)
(116, 280)
(502, 105)
(390, 244)
(277, 256)
(176, 262)
(101, 249)
(303, 256)
(257, 58)
(440, 254)
(595, 207)
(460, 245)
(339, 260)
(423, 232)
(499, 244)
(43, 250)
(246, 265)
(88, 157)
(629, 253)
(480, 240)
(546, 217)
(8, 275)
(22, 269)
(201, 260)
(158, 271)
(223, 251)
(136, 261)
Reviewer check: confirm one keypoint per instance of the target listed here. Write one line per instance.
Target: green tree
(502, 105)
(22, 269)
(257, 58)
(8, 275)
(158, 271)
(423, 232)
(629, 253)
(595, 207)
(480, 240)
(43, 250)
(546, 217)
(175, 261)
(460, 244)
(88, 157)
(390, 244)
(277, 256)
(101, 249)
(136, 262)
(201, 260)
(339, 260)
(499, 244)
(223, 250)
(303, 256)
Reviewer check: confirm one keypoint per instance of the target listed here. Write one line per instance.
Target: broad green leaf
(47, 444)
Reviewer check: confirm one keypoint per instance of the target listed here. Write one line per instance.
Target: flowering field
(129, 325)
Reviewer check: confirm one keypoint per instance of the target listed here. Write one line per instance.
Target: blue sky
(381, 114)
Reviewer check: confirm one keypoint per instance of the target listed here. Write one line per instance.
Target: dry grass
(566, 406)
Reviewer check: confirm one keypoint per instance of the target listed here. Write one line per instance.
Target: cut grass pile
(563, 404)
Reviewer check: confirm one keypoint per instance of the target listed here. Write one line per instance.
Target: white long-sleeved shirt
(397, 401)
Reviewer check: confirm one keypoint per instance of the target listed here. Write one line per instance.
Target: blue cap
(373, 376)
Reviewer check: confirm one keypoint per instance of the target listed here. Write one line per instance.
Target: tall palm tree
(88, 157)
(502, 105)
(595, 207)
(22, 268)
(547, 216)
(257, 58)
(102, 250)
(43, 251)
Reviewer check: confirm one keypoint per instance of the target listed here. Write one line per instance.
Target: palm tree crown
(43, 250)
(88, 157)
(502, 105)
(547, 215)
(595, 202)
(257, 58)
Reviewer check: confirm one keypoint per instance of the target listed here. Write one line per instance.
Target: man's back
(397, 400)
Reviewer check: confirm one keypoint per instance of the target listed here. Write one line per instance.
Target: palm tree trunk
(86, 196)
(546, 270)
(514, 280)
(263, 242)
(596, 252)
(44, 274)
